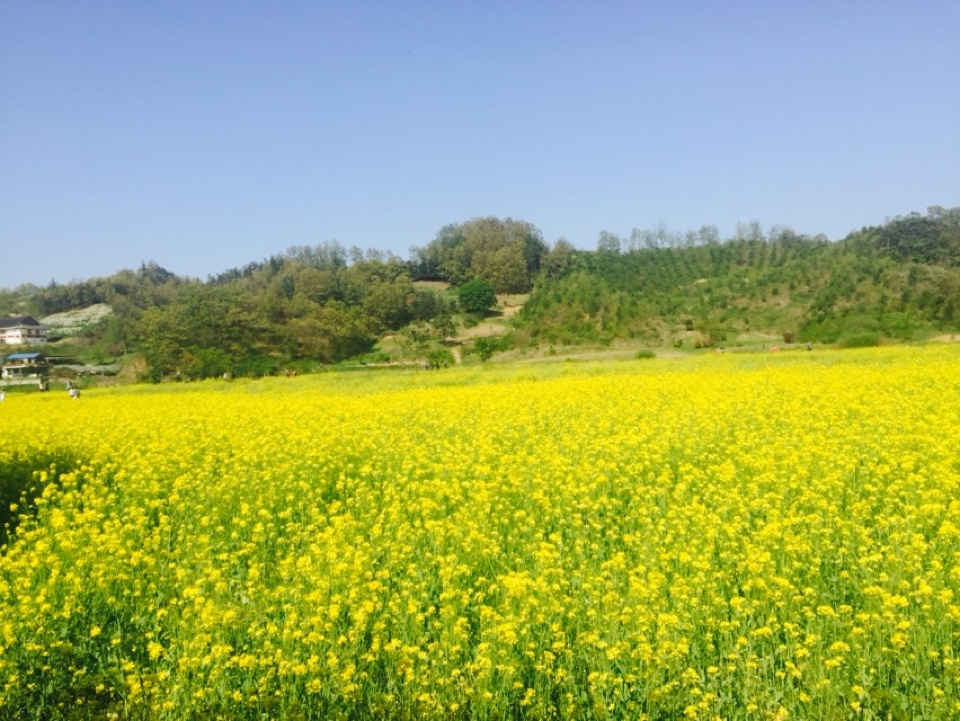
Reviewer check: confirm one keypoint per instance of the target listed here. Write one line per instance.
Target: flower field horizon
(717, 537)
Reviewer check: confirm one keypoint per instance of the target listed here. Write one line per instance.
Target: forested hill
(324, 304)
(896, 280)
(312, 304)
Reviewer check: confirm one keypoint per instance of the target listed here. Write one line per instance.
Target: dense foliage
(737, 536)
(506, 253)
(324, 303)
(895, 280)
(477, 295)
(314, 303)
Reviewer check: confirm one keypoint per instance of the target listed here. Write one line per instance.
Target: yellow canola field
(756, 537)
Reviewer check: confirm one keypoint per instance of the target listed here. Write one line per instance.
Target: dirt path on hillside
(482, 330)
(456, 356)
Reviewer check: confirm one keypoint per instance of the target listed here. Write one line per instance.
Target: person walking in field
(3, 394)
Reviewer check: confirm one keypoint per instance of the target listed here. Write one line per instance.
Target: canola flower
(714, 538)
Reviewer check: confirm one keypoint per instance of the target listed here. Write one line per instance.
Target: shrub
(645, 354)
(440, 358)
(486, 347)
(477, 295)
(859, 340)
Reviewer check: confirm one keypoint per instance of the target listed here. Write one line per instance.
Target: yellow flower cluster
(710, 538)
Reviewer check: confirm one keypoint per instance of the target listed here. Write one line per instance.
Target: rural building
(21, 330)
(24, 366)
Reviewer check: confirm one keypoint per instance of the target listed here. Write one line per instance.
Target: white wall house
(21, 330)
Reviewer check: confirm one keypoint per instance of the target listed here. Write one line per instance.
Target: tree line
(326, 303)
(897, 280)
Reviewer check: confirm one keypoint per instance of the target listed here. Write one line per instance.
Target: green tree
(608, 242)
(316, 284)
(508, 253)
(477, 295)
(558, 259)
(386, 302)
(444, 327)
(414, 340)
(486, 347)
(440, 358)
(505, 269)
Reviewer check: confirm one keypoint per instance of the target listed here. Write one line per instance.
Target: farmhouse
(24, 366)
(21, 330)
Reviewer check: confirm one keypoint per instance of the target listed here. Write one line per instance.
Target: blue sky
(204, 135)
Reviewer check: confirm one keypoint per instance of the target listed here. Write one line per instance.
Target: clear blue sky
(204, 135)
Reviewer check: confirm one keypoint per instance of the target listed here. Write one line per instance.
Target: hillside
(322, 305)
(898, 281)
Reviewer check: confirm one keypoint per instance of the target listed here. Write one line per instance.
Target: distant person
(3, 394)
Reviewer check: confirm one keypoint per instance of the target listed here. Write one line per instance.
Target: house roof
(15, 321)
(22, 356)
